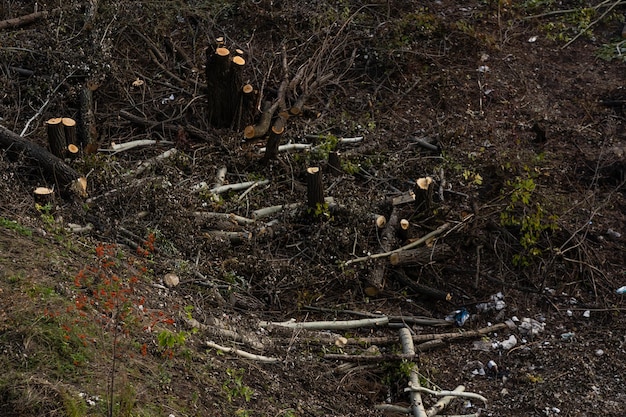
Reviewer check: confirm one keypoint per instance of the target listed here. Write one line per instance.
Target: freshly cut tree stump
(273, 142)
(424, 194)
(73, 151)
(43, 195)
(334, 162)
(56, 137)
(224, 81)
(403, 230)
(69, 129)
(314, 188)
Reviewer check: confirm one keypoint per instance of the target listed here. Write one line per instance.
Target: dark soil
(528, 172)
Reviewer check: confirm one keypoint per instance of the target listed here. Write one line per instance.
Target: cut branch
(411, 245)
(260, 129)
(242, 353)
(20, 21)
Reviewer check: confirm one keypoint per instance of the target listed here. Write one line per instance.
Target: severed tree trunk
(56, 137)
(86, 127)
(224, 85)
(57, 171)
(69, 129)
(403, 230)
(376, 279)
(424, 194)
(314, 188)
(43, 195)
(334, 162)
(273, 142)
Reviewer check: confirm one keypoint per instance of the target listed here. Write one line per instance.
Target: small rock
(599, 352)
(587, 314)
(171, 280)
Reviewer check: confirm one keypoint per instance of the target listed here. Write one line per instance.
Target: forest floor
(117, 303)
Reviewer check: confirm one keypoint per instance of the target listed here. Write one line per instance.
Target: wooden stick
(225, 216)
(121, 147)
(407, 197)
(20, 21)
(152, 161)
(238, 186)
(416, 388)
(424, 194)
(328, 325)
(417, 406)
(443, 403)
(411, 245)
(171, 128)
(73, 151)
(403, 231)
(242, 353)
(334, 162)
(310, 146)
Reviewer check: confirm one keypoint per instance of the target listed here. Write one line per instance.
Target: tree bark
(67, 179)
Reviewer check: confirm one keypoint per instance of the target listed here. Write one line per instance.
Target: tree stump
(69, 129)
(56, 137)
(43, 195)
(224, 84)
(273, 142)
(314, 188)
(424, 194)
(87, 131)
(334, 162)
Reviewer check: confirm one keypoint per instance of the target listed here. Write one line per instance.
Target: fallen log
(65, 177)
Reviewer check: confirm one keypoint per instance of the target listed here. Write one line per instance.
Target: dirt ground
(521, 107)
